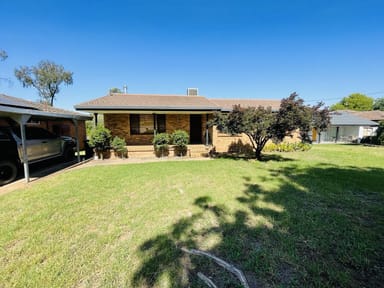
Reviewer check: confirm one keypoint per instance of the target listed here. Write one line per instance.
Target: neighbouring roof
(343, 118)
(374, 115)
(145, 102)
(9, 104)
(227, 104)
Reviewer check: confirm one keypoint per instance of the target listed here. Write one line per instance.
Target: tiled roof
(227, 104)
(343, 118)
(374, 115)
(120, 101)
(14, 102)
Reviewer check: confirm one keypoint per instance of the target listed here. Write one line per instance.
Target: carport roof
(11, 105)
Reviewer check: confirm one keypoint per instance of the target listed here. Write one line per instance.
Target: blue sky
(324, 50)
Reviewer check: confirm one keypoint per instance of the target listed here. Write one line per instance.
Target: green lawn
(305, 219)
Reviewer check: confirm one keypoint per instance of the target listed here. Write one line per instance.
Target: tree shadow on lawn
(322, 227)
(264, 158)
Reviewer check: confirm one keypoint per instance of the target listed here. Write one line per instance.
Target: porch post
(95, 118)
(154, 124)
(337, 134)
(206, 132)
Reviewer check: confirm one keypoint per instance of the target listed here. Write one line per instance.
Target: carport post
(77, 138)
(22, 120)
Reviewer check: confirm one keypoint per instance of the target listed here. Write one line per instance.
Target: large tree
(262, 124)
(379, 104)
(355, 101)
(3, 55)
(46, 77)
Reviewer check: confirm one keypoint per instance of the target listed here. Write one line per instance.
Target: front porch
(138, 129)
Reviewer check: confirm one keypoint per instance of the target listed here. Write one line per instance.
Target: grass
(305, 219)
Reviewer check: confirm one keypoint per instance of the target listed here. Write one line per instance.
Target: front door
(195, 129)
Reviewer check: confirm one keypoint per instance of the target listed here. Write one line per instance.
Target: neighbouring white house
(347, 127)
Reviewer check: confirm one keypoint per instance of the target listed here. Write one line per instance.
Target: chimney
(125, 89)
(192, 91)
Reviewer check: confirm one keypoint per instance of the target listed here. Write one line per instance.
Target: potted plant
(161, 144)
(99, 139)
(180, 140)
(119, 146)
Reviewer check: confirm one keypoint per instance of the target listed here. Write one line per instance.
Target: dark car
(41, 145)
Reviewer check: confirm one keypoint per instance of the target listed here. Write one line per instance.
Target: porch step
(147, 151)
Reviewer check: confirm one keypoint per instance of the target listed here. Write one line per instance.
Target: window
(144, 123)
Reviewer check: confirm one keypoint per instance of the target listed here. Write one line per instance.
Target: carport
(22, 115)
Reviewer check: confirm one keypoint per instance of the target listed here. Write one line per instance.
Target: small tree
(180, 139)
(262, 124)
(100, 138)
(161, 144)
(46, 77)
(119, 146)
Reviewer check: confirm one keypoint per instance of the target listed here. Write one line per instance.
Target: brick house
(137, 118)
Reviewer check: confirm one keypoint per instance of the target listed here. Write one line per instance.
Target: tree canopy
(46, 77)
(262, 124)
(379, 104)
(115, 90)
(355, 101)
(3, 55)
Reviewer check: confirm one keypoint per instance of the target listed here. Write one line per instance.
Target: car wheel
(68, 154)
(8, 172)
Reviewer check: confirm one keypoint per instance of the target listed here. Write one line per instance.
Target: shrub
(160, 143)
(380, 133)
(287, 147)
(180, 139)
(119, 146)
(100, 138)
(378, 139)
(270, 147)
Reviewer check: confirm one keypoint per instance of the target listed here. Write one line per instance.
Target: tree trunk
(258, 153)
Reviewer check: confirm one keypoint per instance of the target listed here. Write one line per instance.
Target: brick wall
(177, 122)
(223, 142)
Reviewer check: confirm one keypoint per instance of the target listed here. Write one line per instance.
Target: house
(137, 117)
(59, 121)
(346, 127)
